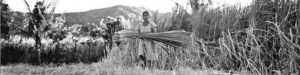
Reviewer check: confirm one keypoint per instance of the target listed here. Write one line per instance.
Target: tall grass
(262, 38)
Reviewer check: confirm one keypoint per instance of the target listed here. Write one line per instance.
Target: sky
(85, 5)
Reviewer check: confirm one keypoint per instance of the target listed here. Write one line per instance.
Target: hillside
(93, 16)
(97, 14)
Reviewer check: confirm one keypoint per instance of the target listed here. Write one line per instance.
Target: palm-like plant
(39, 24)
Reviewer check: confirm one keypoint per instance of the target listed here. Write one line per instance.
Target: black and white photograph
(150, 37)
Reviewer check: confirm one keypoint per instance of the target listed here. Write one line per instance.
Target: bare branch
(28, 7)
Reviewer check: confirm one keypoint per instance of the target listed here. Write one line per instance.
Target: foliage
(6, 20)
(257, 38)
(54, 53)
(180, 19)
(38, 23)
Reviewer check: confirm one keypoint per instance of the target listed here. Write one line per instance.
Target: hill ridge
(95, 15)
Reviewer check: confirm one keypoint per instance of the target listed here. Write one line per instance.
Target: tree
(39, 23)
(6, 19)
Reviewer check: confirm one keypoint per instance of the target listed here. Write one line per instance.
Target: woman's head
(146, 15)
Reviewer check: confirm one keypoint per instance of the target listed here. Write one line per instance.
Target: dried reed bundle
(174, 38)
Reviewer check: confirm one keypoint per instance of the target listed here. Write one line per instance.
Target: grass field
(103, 68)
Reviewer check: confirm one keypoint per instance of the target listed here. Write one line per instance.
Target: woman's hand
(122, 34)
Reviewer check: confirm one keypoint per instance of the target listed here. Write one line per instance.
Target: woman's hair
(146, 12)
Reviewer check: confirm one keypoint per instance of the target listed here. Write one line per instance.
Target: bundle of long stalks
(177, 38)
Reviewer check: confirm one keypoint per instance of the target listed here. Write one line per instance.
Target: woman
(147, 52)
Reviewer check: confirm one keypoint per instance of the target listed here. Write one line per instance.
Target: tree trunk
(38, 46)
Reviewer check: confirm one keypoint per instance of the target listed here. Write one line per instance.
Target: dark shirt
(112, 27)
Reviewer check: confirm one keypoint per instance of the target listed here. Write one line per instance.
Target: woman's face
(146, 16)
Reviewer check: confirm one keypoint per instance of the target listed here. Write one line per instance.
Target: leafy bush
(55, 53)
(6, 20)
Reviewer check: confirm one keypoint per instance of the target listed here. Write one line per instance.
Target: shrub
(55, 53)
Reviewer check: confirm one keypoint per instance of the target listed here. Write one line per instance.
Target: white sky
(85, 5)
